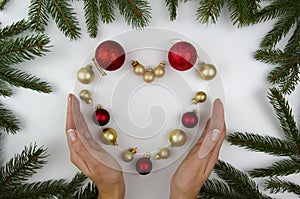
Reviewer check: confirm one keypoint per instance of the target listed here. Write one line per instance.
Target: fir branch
(106, 9)
(267, 144)
(2, 4)
(209, 10)
(22, 166)
(8, 122)
(65, 18)
(280, 168)
(72, 187)
(19, 78)
(271, 56)
(17, 50)
(294, 41)
(272, 11)
(136, 12)
(172, 6)
(91, 13)
(89, 192)
(14, 29)
(5, 91)
(275, 185)
(38, 15)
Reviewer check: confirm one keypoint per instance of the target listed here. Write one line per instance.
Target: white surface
(244, 81)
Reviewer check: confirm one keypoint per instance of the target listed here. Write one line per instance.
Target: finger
(215, 128)
(70, 121)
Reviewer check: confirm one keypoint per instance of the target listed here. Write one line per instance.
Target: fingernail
(215, 135)
(72, 135)
(209, 142)
(69, 97)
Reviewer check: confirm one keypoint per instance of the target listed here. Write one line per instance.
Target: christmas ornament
(159, 71)
(200, 97)
(163, 153)
(189, 119)
(109, 136)
(207, 71)
(138, 68)
(182, 56)
(148, 75)
(85, 75)
(128, 155)
(101, 116)
(110, 55)
(86, 96)
(144, 165)
(177, 138)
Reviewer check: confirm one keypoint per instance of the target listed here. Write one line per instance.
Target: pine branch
(65, 18)
(172, 6)
(14, 51)
(89, 192)
(281, 168)
(18, 78)
(267, 144)
(272, 11)
(2, 4)
(275, 185)
(294, 41)
(209, 10)
(136, 12)
(13, 29)
(91, 13)
(5, 91)
(72, 187)
(8, 122)
(106, 10)
(22, 166)
(38, 15)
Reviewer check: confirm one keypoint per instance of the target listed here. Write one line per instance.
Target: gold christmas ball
(127, 156)
(164, 153)
(207, 71)
(159, 71)
(109, 136)
(199, 97)
(86, 96)
(85, 75)
(149, 75)
(177, 138)
(138, 68)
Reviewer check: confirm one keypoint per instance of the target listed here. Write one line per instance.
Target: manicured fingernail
(215, 135)
(72, 135)
(69, 97)
(209, 142)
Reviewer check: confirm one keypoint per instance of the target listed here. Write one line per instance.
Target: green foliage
(91, 12)
(275, 185)
(38, 15)
(13, 29)
(3, 3)
(73, 187)
(8, 122)
(106, 10)
(209, 11)
(172, 6)
(89, 192)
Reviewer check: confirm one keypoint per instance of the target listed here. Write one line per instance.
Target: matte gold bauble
(109, 136)
(86, 96)
(207, 71)
(177, 138)
(159, 71)
(128, 155)
(163, 153)
(200, 97)
(138, 68)
(149, 75)
(85, 75)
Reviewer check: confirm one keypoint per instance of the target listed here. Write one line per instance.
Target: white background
(244, 79)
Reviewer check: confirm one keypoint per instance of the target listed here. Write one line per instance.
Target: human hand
(94, 162)
(199, 163)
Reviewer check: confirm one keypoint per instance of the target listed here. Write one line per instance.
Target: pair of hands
(186, 181)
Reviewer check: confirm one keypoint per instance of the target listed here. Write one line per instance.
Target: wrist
(116, 191)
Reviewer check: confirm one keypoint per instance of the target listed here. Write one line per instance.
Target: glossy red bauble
(189, 119)
(101, 116)
(143, 166)
(182, 56)
(110, 55)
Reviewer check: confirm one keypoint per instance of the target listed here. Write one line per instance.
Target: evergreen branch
(172, 6)
(13, 29)
(89, 192)
(281, 168)
(106, 9)
(209, 10)
(38, 15)
(136, 12)
(14, 51)
(72, 187)
(267, 144)
(5, 91)
(285, 116)
(22, 166)
(19, 78)
(294, 41)
(8, 122)
(2, 4)
(65, 18)
(292, 80)
(275, 185)
(91, 13)
(271, 56)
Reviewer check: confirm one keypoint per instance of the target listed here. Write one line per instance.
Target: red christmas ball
(143, 166)
(182, 56)
(189, 119)
(101, 116)
(110, 55)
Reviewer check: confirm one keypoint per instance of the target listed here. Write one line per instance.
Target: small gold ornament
(149, 75)
(109, 136)
(159, 71)
(200, 97)
(207, 71)
(177, 138)
(85, 75)
(163, 153)
(86, 96)
(128, 155)
(138, 68)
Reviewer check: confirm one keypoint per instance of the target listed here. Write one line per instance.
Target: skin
(108, 176)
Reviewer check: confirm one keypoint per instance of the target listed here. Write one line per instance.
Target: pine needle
(2, 4)
(172, 6)
(8, 121)
(275, 185)
(38, 15)
(5, 90)
(89, 192)
(91, 13)
(73, 187)
(209, 11)
(13, 29)
(106, 10)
